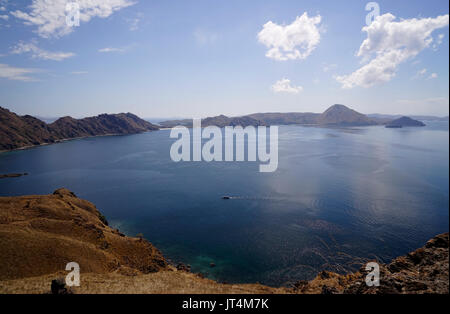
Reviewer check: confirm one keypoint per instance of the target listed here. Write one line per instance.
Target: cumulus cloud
(49, 16)
(293, 41)
(388, 44)
(432, 76)
(4, 17)
(17, 74)
(79, 72)
(39, 53)
(284, 86)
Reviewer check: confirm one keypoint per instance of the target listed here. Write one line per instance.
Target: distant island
(335, 116)
(12, 175)
(26, 131)
(404, 122)
(18, 132)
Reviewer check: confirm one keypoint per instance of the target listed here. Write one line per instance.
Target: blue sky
(201, 58)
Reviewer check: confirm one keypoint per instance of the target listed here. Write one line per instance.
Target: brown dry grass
(40, 234)
(163, 282)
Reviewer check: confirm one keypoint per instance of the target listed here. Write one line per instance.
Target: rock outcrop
(425, 270)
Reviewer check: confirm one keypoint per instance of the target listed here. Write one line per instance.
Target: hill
(336, 115)
(277, 118)
(220, 121)
(340, 115)
(16, 131)
(24, 131)
(404, 122)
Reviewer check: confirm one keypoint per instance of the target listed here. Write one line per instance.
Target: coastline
(165, 129)
(70, 139)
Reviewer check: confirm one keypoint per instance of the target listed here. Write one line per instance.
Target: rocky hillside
(23, 131)
(425, 270)
(39, 235)
(16, 131)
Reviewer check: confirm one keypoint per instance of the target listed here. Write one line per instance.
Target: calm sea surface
(338, 198)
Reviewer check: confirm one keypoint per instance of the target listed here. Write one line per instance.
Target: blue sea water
(339, 197)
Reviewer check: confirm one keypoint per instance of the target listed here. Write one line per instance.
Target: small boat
(226, 197)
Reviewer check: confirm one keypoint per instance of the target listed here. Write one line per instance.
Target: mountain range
(336, 115)
(24, 131)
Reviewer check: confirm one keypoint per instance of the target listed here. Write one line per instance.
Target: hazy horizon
(160, 119)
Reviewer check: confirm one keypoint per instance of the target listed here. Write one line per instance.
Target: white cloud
(389, 43)
(39, 53)
(432, 76)
(4, 17)
(293, 41)
(112, 49)
(50, 15)
(17, 74)
(2, 9)
(79, 72)
(284, 86)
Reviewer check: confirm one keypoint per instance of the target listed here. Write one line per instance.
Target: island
(404, 122)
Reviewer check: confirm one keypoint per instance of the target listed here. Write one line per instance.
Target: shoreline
(165, 129)
(69, 139)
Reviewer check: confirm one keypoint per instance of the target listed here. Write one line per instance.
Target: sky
(202, 58)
